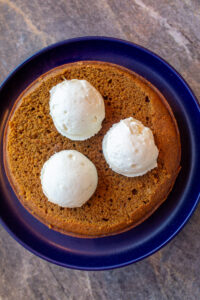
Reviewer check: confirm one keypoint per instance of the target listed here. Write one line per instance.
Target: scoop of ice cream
(77, 109)
(68, 178)
(129, 148)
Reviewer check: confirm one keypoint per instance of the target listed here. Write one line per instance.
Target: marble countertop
(170, 29)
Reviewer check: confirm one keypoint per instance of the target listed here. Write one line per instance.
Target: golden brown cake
(119, 202)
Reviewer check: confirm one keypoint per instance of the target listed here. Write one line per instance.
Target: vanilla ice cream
(68, 178)
(129, 148)
(77, 109)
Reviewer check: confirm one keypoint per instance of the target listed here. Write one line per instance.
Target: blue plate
(165, 223)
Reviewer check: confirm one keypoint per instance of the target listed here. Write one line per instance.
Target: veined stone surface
(172, 30)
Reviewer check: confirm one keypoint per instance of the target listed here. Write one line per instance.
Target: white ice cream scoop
(77, 109)
(68, 178)
(129, 148)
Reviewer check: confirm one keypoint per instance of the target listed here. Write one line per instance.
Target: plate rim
(102, 38)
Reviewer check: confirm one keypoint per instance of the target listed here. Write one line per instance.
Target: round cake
(119, 202)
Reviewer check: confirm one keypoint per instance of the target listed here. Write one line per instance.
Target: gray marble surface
(172, 30)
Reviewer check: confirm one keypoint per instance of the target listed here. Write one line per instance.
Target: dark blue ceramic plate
(165, 223)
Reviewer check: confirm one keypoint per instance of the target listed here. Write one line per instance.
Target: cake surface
(119, 202)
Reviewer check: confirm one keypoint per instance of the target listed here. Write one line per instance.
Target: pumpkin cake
(119, 202)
